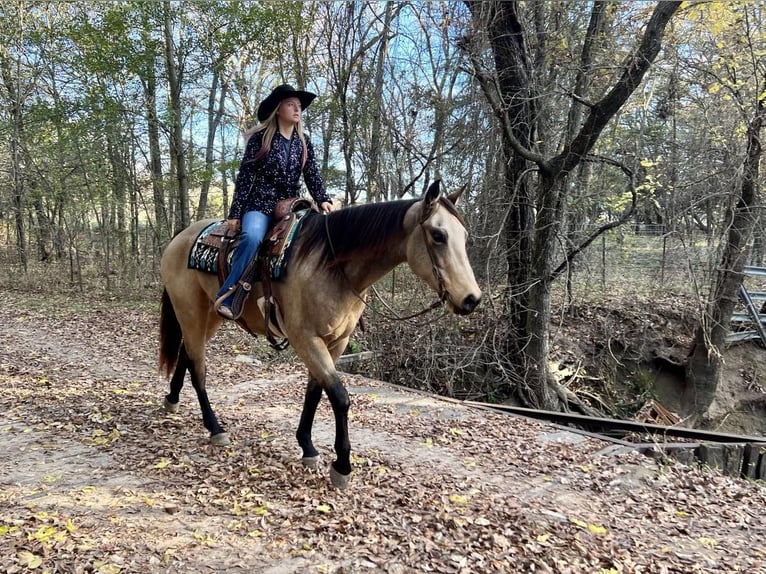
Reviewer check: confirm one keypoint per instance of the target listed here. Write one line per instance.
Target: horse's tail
(170, 335)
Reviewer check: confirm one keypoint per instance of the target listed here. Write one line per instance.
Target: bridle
(427, 212)
(424, 216)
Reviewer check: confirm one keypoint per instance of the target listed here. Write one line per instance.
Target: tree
(536, 212)
(18, 80)
(351, 35)
(738, 72)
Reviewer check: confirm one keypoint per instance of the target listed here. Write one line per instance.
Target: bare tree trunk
(214, 116)
(512, 95)
(349, 42)
(705, 362)
(177, 153)
(119, 192)
(515, 80)
(44, 227)
(373, 174)
(161, 222)
(13, 88)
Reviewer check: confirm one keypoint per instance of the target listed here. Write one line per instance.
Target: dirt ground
(95, 477)
(627, 352)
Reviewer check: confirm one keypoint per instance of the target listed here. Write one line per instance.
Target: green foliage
(353, 347)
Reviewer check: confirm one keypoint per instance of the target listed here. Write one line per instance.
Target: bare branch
(572, 253)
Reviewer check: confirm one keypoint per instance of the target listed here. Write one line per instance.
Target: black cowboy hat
(270, 103)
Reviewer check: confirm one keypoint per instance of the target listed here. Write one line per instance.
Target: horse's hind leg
(193, 358)
(218, 436)
(313, 396)
(177, 382)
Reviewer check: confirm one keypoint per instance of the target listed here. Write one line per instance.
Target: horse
(337, 257)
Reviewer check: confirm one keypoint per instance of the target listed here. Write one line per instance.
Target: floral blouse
(276, 176)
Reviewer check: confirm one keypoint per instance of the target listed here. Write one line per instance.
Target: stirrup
(225, 311)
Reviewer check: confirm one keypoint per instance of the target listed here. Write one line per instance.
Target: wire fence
(647, 258)
(636, 258)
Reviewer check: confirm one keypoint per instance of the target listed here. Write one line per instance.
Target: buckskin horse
(336, 258)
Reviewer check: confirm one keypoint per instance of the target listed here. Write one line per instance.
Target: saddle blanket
(203, 255)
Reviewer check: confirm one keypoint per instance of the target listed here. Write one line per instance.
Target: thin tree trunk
(161, 223)
(12, 86)
(374, 178)
(705, 361)
(177, 153)
(214, 115)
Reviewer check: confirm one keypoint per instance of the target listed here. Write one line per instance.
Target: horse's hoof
(170, 407)
(338, 480)
(311, 461)
(220, 439)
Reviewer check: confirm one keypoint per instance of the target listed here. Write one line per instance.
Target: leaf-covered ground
(95, 477)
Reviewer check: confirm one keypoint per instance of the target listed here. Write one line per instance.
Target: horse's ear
(455, 195)
(430, 200)
(433, 193)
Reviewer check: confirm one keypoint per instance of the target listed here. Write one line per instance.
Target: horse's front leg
(310, 402)
(322, 376)
(340, 471)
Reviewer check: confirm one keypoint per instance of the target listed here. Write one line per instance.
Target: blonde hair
(269, 127)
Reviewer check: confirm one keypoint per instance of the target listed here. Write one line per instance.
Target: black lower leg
(340, 404)
(208, 416)
(310, 402)
(177, 382)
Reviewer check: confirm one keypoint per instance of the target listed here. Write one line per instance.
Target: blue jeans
(254, 227)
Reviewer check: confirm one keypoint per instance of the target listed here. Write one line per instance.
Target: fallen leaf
(458, 499)
(43, 534)
(31, 561)
(106, 568)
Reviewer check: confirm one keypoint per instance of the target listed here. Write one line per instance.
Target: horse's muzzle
(469, 304)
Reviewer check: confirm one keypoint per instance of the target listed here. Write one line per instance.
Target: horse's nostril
(469, 303)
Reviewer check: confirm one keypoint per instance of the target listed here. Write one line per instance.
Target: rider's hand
(326, 207)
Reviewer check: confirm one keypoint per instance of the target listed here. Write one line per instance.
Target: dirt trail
(95, 477)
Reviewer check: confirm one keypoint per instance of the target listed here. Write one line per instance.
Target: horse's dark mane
(359, 229)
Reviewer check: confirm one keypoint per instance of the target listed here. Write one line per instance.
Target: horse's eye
(438, 236)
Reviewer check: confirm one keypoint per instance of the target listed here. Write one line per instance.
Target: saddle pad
(203, 255)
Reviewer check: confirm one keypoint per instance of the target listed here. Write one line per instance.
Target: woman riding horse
(337, 257)
(276, 154)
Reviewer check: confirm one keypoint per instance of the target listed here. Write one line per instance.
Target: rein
(396, 317)
(432, 256)
(437, 274)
